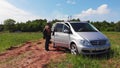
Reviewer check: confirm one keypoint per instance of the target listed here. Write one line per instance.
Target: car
(79, 37)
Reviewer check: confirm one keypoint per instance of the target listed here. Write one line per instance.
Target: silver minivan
(79, 37)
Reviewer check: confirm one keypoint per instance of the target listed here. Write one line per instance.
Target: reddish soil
(30, 55)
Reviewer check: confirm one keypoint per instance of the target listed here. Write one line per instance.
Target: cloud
(99, 14)
(100, 11)
(8, 10)
(71, 2)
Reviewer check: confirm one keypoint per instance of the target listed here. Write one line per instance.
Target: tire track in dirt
(30, 55)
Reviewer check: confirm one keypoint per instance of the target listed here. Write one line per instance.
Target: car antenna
(69, 18)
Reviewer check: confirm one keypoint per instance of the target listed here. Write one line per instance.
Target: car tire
(74, 49)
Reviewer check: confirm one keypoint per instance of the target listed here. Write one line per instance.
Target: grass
(14, 39)
(100, 61)
(95, 61)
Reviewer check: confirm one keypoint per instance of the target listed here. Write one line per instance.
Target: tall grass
(111, 60)
(14, 39)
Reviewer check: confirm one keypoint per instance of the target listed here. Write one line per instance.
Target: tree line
(29, 26)
(107, 26)
(38, 25)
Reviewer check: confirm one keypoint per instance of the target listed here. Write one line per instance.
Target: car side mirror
(66, 31)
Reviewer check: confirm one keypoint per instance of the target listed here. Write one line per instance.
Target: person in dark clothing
(47, 36)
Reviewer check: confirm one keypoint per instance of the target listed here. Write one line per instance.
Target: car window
(83, 27)
(65, 28)
(59, 28)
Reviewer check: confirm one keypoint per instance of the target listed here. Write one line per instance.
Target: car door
(65, 36)
(58, 33)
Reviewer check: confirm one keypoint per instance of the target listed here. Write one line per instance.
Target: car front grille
(98, 42)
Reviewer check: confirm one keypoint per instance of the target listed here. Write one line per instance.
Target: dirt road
(30, 55)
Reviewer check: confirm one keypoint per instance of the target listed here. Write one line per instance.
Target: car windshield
(83, 27)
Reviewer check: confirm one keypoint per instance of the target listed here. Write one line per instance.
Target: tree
(75, 19)
(1, 27)
(117, 27)
(9, 24)
(97, 25)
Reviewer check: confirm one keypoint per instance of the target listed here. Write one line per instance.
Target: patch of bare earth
(30, 55)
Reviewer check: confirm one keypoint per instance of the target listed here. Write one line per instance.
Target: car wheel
(73, 49)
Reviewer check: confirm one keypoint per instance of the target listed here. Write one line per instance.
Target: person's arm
(44, 33)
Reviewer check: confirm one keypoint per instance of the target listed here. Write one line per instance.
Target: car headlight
(85, 42)
(107, 42)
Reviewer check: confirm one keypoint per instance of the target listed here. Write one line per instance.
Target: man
(47, 36)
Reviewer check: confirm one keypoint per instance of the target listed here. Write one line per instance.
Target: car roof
(78, 22)
(73, 22)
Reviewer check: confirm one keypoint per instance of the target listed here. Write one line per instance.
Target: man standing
(47, 36)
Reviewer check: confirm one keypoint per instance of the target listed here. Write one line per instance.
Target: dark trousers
(47, 41)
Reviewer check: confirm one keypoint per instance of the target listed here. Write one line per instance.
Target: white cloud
(99, 14)
(71, 2)
(91, 13)
(8, 10)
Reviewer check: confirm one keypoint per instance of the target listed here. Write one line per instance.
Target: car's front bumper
(94, 49)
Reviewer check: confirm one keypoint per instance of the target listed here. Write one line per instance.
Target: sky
(93, 10)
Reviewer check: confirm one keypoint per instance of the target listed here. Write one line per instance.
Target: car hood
(92, 35)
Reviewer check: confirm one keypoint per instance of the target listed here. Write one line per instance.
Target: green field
(15, 39)
(100, 61)
(95, 61)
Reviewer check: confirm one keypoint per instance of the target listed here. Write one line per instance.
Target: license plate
(102, 48)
